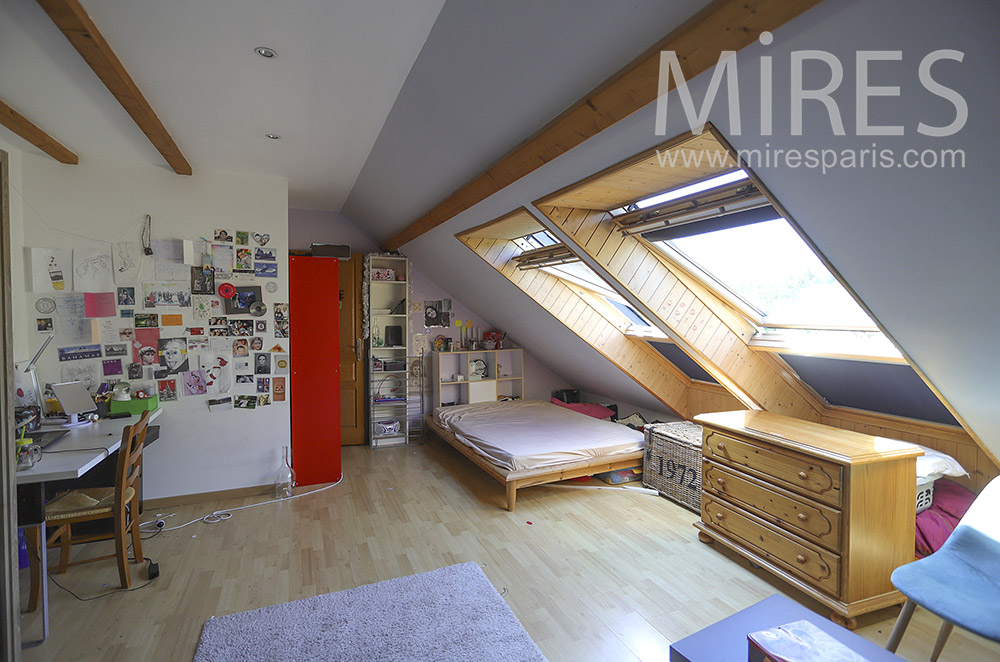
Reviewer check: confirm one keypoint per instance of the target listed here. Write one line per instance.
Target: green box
(135, 406)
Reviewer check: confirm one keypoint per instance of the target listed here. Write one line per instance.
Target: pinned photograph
(135, 371)
(118, 349)
(94, 352)
(241, 347)
(218, 331)
(196, 330)
(126, 296)
(126, 313)
(245, 296)
(112, 367)
(245, 402)
(281, 364)
(202, 281)
(147, 321)
(263, 384)
(171, 294)
(194, 382)
(262, 364)
(126, 335)
(223, 235)
(256, 344)
(241, 364)
(263, 400)
(265, 254)
(241, 327)
(281, 312)
(173, 355)
(218, 321)
(281, 329)
(278, 389)
(242, 238)
(244, 261)
(266, 270)
(45, 325)
(260, 326)
(432, 313)
(261, 239)
(244, 379)
(160, 373)
(167, 389)
(198, 344)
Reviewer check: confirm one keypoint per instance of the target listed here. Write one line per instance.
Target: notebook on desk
(45, 437)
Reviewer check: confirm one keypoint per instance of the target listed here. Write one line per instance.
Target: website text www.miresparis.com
(824, 160)
(931, 67)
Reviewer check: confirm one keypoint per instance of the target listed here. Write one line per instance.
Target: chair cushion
(80, 503)
(957, 582)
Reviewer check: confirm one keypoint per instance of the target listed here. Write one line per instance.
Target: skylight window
(698, 187)
(582, 275)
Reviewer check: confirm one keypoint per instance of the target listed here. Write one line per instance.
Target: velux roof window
(755, 258)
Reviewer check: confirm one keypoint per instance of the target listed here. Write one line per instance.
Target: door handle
(357, 349)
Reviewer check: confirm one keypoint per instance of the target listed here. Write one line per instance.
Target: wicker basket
(672, 464)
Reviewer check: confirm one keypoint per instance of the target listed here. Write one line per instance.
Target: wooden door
(352, 372)
(315, 331)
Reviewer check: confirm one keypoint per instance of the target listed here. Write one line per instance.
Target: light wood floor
(592, 574)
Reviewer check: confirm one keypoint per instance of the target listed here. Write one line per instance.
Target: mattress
(533, 434)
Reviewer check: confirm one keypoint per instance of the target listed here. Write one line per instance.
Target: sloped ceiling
(918, 245)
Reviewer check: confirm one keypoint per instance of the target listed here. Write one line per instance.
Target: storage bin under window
(672, 462)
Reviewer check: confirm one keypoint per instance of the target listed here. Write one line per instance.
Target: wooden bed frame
(515, 480)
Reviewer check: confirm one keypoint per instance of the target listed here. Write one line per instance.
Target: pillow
(597, 411)
(934, 464)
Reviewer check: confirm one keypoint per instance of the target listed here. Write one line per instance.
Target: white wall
(307, 227)
(97, 202)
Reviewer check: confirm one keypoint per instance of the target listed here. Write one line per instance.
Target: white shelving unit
(395, 383)
(485, 375)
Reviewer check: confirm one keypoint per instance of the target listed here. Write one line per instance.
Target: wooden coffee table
(726, 641)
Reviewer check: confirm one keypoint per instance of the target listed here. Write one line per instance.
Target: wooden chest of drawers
(830, 511)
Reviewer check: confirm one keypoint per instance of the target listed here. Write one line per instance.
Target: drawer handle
(803, 517)
(721, 482)
(803, 475)
(801, 559)
(720, 516)
(722, 445)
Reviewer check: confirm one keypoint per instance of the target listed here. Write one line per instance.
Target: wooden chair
(120, 503)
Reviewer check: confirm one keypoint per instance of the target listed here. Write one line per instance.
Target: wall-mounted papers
(51, 269)
(72, 316)
(126, 259)
(79, 352)
(99, 304)
(93, 270)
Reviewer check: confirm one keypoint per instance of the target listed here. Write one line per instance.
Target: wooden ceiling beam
(70, 17)
(24, 127)
(722, 25)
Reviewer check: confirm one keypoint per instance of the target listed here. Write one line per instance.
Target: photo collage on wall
(193, 318)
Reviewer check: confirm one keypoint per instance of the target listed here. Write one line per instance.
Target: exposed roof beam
(74, 22)
(23, 127)
(722, 25)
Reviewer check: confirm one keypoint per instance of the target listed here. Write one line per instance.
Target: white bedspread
(530, 434)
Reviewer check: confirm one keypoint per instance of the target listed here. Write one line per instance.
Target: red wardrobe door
(314, 313)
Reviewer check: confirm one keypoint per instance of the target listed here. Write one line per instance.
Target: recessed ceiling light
(272, 136)
(264, 51)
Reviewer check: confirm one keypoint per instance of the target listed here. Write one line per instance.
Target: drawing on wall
(218, 370)
(51, 269)
(125, 257)
(244, 261)
(93, 270)
(87, 372)
(171, 270)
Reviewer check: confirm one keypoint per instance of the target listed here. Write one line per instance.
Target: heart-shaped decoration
(256, 237)
(261, 239)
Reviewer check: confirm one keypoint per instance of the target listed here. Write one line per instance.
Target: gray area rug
(452, 613)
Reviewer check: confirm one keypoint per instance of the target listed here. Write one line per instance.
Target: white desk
(105, 435)
(90, 444)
